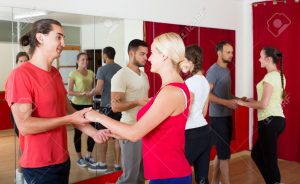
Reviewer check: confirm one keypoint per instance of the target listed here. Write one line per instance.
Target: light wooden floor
(9, 149)
(242, 168)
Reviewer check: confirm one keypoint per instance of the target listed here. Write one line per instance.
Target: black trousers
(197, 151)
(77, 133)
(58, 173)
(264, 152)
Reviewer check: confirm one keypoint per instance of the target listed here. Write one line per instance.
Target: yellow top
(274, 108)
(82, 83)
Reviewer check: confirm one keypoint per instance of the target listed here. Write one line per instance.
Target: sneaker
(98, 167)
(90, 160)
(19, 177)
(81, 162)
(117, 167)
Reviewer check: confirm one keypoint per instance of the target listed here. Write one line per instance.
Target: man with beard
(220, 109)
(129, 91)
(103, 86)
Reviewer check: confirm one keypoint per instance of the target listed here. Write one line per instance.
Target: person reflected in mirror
(21, 58)
(80, 83)
(103, 88)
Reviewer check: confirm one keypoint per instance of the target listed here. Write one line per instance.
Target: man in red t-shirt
(36, 95)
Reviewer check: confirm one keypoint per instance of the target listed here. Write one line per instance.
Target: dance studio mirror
(83, 33)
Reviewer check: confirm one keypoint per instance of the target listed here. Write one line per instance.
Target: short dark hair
(110, 52)
(43, 26)
(20, 54)
(220, 45)
(134, 44)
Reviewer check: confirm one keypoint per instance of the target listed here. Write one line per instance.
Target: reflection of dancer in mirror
(271, 120)
(38, 100)
(80, 83)
(20, 59)
(161, 122)
(103, 86)
(197, 132)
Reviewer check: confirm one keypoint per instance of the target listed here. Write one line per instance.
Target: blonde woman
(162, 120)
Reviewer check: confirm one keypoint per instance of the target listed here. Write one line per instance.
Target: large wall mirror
(82, 34)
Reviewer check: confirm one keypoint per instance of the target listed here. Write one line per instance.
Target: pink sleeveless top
(163, 147)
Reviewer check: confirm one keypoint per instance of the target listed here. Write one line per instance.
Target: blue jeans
(58, 173)
(182, 180)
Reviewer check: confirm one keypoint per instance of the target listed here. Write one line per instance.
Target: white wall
(114, 33)
(133, 29)
(6, 53)
(107, 33)
(225, 14)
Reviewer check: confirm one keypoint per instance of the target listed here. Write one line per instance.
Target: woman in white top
(197, 132)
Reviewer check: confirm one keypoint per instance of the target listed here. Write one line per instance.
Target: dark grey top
(105, 73)
(220, 78)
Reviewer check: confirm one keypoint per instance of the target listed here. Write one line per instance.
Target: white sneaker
(19, 177)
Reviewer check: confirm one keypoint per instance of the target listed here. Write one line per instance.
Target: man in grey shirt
(103, 87)
(220, 110)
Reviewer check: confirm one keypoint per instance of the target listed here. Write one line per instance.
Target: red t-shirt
(47, 94)
(163, 147)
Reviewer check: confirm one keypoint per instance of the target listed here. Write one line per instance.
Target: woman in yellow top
(80, 84)
(271, 121)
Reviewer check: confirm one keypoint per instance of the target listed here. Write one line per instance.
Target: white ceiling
(64, 18)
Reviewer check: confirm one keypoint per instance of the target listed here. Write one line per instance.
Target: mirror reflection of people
(161, 122)
(20, 59)
(103, 88)
(271, 120)
(197, 131)
(80, 83)
(38, 100)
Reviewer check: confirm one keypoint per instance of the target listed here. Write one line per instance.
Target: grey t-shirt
(220, 78)
(105, 73)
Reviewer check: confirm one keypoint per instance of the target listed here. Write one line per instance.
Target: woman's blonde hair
(171, 45)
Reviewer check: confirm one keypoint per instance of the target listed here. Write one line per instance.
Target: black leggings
(77, 134)
(197, 151)
(264, 152)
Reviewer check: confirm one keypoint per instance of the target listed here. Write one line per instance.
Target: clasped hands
(236, 102)
(88, 115)
(243, 101)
